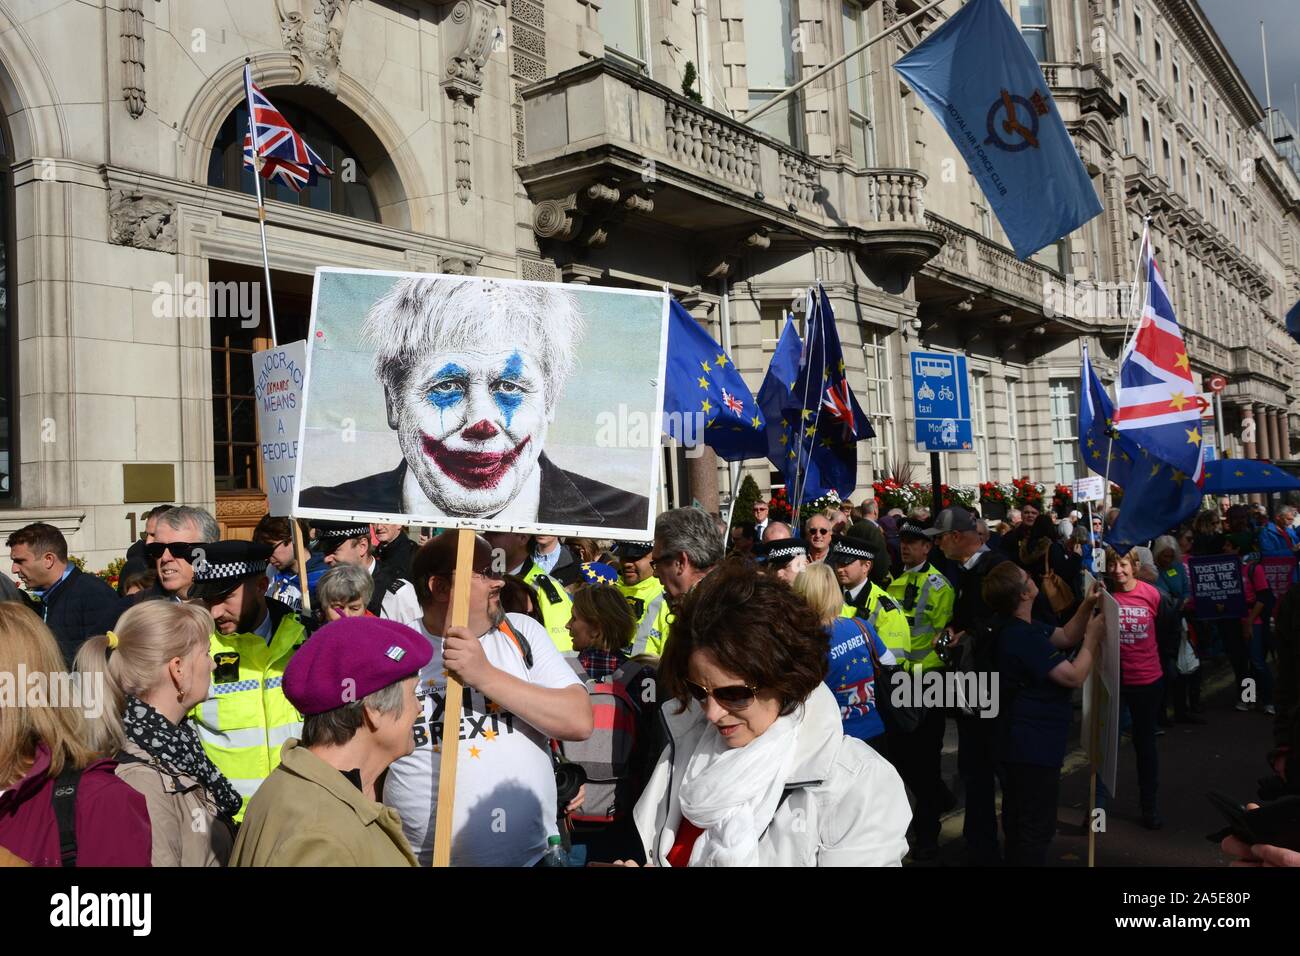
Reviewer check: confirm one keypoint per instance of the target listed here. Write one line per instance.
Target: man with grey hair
(472, 373)
(179, 537)
(777, 531)
(687, 547)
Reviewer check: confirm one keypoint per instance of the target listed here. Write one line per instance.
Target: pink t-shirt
(1255, 581)
(1139, 655)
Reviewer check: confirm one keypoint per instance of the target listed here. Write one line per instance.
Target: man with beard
(644, 593)
(519, 693)
(512, 557)
(472, 373)
(343, 543)
(246, 718)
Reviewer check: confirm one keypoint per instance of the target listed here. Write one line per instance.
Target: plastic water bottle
(555, 855)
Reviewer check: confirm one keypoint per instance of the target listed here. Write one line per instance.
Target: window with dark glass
(771, 66)
(1033, 27)
(346, 193)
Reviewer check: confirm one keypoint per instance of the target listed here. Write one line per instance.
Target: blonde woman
(42, 746)
(852, 673)
(156, 665)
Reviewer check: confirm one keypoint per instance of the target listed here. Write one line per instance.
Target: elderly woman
(157, 665)
(354, 682)
(44, 748)
(759, 770)
(852, 674)
(343, 591)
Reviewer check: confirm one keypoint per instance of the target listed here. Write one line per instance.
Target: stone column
(1262, 443)
(1247, 416)
(1275, 435)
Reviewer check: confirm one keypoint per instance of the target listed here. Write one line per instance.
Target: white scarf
(732, 793)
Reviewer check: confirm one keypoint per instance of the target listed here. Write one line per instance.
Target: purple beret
(350, 658)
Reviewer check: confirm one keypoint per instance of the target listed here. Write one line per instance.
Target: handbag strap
(871, 647)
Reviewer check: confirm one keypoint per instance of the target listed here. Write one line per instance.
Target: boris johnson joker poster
(494, 404)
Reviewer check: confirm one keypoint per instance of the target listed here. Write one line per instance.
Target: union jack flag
(286, 157)
(732, 402)
(1157, 401)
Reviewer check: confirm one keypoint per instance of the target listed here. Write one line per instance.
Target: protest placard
(1218, 591)
(1101, 700)
(1280, 573)
(484, 403)
(278, 377)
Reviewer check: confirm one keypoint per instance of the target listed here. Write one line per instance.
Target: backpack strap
(64, 801)
(871, 647)
(521, 642)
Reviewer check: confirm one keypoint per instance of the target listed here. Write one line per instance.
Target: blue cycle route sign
(941, 402)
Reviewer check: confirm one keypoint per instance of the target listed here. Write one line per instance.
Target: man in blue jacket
(1278, 540)
(73, 605)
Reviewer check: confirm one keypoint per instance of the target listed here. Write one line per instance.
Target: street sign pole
(936, 505)
(1218, 423)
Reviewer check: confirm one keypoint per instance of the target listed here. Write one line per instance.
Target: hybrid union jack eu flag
(286, 157)
(1158, 413)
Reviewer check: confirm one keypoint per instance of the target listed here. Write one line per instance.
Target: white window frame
(792, 111)
(1043, 28)
(1013, 426)
(642, 62)
(1139, 41)
(1063, 402)
(857, 71)
(877, 360)
(1148, 143)
(980, 424)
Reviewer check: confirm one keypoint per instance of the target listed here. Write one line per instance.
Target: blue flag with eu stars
(705, 399)
(775, 390)
(1098, 438)
(979, 78)
(1293, 322)
(821, 422)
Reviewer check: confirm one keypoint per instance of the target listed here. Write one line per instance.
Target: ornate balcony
(606, 144)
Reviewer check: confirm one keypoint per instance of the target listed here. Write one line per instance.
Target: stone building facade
(560, 140)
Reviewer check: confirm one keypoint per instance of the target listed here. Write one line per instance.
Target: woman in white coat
(758, 771)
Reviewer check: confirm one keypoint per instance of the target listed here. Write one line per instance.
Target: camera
(944, 648)
(569, 778)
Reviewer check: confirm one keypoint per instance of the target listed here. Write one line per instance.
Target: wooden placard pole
(1094, 763)
(300, 561)
(452, 704)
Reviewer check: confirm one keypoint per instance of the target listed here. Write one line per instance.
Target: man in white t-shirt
(519, 692)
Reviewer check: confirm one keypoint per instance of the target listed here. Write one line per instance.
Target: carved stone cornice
(312, 32)
(133, 92)
(586, 216)
(141, 221)
(720, 260)
(469, 34)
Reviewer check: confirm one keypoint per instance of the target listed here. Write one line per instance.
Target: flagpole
(801, 470)
(1110, 437)
(261, 206)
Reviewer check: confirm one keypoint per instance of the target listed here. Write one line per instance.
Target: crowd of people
(762, 693)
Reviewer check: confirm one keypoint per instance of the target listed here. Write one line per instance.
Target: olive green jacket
(306, 813)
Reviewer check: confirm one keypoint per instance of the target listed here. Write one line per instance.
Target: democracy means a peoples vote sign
(1218, 591)
(494, 404)
(278, 377)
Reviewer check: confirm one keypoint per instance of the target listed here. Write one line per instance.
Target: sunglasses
(180, 550)
(818, 531)
(733, 697)
(655, 562)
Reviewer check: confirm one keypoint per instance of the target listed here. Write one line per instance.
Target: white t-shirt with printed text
(505, 783)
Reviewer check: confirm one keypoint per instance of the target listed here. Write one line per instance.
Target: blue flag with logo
(1098, 439)
(979, 78)
(705, 399)
(1293, 322)
(777, 385)
(822, 422)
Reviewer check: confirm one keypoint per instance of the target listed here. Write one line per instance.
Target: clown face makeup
(471, 425)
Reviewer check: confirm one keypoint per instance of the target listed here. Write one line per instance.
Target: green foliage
(688, 83)
(745, 499)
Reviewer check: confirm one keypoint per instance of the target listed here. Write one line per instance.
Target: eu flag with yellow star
(705, 399)
(823, 422)
(774, 393)
(1158, 410)
(1099, 442)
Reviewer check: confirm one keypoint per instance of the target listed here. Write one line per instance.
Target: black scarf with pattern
(178, 750)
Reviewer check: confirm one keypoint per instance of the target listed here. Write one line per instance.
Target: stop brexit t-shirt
(505, 782)
(1139, 655)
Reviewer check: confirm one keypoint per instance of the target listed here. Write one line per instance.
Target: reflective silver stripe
(276, 736)
(246, 788)
(919, 655)
(647, 625)
(231, 739)
(919, 610)
(208, 714)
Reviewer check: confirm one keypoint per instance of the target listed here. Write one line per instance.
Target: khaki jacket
(182, 814)
(306, 813)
